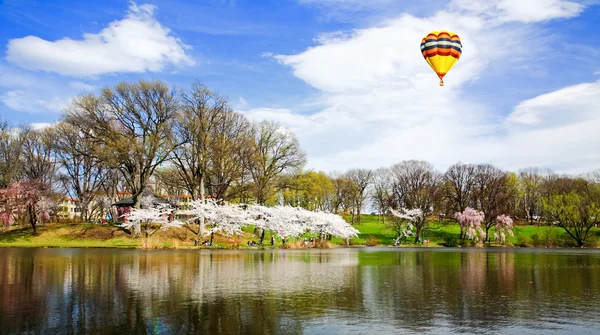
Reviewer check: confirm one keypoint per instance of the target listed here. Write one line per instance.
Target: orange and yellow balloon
(441, 50)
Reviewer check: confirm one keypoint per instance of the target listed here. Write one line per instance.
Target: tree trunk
(137, 203)
(262, 236)
(32, 219)
(201, 219)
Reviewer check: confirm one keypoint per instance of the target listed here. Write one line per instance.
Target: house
(69, 209)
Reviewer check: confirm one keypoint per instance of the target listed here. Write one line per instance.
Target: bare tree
(415, 186)
(83, 173)
(531, 181)
(493, 194)
(39, 162)
(230, 147)
(344, 189)
(458, 184)
(361, 179)
(275, 150)
(132, 123)
(381, 194)
(11, 160)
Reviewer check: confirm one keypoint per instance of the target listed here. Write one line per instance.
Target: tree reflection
(256, 292)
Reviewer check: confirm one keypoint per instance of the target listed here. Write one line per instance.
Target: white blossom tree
(151, 217)
(410, 216)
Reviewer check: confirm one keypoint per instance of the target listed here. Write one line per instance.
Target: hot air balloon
(441, 50)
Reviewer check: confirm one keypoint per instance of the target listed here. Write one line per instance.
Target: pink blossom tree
(503, 227)
(27, 200)
(470, 222)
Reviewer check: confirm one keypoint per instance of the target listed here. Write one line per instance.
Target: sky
(346, 76)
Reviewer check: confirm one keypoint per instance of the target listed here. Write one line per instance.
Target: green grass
(372, 232)
(448, 233)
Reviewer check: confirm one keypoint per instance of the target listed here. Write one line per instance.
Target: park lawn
(447, 233)
(64, 235)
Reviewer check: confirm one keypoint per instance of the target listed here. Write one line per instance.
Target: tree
(361, 178)
(39, 162)
(230, 148)
(82, 172)
(415, 186)
(11, 160)
(275, 150)
(27, 200)
(131, 124)
(381, 194)
(344, 189)
(213, 140)
(470, 222)
(503, 227)
(576, 210)
(310, 190)
(196, 123)
(531, 183)
(458, 185)
(151, 217)
(411, 216)
(493, 194)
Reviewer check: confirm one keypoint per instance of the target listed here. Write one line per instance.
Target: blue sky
(347, 77)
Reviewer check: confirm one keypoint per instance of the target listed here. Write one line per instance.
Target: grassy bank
(372, 233)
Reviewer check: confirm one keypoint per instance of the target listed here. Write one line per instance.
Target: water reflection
(294, 292)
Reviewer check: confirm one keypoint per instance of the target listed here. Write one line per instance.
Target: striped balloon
(441, 50)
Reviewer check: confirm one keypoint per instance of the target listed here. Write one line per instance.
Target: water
(341, 291)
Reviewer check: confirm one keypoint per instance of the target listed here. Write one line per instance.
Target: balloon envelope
(441, 50)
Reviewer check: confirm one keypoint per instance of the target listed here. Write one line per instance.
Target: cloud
(82, 87)
(569, 105)
(382, 103)
(41, 125)
(32, 102)
(518, 10)
(137, 43)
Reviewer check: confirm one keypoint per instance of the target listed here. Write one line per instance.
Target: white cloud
(82, 87)
(41, 125)
(242, 103)
(137, 43)
(572, 104)
(383, 105)
(519, 10)
(32, 102)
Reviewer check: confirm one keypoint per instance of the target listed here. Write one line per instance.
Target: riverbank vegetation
(144, 139)
(371, 233)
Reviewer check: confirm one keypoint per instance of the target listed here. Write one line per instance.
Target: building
(69, 209)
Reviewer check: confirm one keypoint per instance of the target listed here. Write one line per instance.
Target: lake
(335, 291)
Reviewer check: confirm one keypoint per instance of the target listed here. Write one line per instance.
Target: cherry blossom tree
(504, 226)
(288, 221)
(224, 218)
(284, 221)
(151, 217)
(28, 200)
(410, 216)
(470, 222)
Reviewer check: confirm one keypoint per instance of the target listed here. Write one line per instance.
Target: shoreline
(372, 234)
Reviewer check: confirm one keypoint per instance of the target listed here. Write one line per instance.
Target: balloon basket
(441, 83)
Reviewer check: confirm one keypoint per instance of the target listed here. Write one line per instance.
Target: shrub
(451, 241)
(372, 241)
